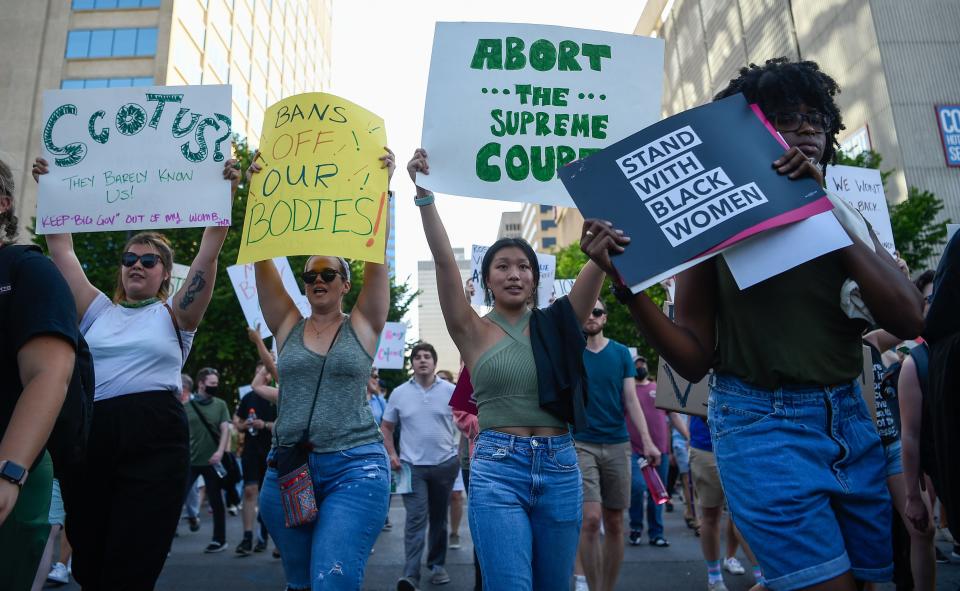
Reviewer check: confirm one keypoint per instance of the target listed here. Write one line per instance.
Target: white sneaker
(733, 566)
(59, 574)
(718, 586)
(581, 583)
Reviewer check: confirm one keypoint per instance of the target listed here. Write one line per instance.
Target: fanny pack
(293, 466)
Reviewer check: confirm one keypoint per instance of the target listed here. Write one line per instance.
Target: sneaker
(941, 557)
(733, 566)
(58, 574)
(233, 510)
(580, 583)
(659, 542)
(276, 553)
(260, 547)
(387, 526)
(194, 524)
(718, 586)
(454, 541)
(245, 547)
(944, 535)
(669, 506)
(215, 547)
(407, 584)
(636, 537)
(439, 576)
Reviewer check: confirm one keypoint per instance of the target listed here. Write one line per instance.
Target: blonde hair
(8, 220)
(159, 242)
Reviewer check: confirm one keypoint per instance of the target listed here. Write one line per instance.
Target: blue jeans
(526, 505)
(804, 474)
(352, 489)
(639, 496)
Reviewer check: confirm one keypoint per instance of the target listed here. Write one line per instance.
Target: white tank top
(133, 349)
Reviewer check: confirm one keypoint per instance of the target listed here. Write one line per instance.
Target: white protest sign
(863, 189)
(177, 276)
(134, 158)
(561, 287)
(392, 345)
(245, 285)
(545, 289)
(508, 104)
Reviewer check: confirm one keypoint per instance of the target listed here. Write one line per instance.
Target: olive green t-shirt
(788, 329)
(202, 443)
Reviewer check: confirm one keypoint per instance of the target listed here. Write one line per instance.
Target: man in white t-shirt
(428, 444)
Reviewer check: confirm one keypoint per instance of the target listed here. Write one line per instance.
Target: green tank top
(505, 381)
(788, 329)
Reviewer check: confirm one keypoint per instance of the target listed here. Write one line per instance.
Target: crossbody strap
(213, 433)
(176, 329)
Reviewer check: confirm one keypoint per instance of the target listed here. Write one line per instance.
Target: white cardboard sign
(863, 189)
(134, 158)
(507, 104)
(244, 283)
(545, 289)
(177, 276)
(392, 345)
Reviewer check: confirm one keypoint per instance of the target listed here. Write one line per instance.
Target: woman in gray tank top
(324, 364)
(524, 477)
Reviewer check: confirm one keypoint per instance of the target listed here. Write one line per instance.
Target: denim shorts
(894, 453)
(804, 474)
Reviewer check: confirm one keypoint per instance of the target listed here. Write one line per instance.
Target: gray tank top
(342, 418)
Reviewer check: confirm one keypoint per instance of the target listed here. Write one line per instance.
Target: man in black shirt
(254, 418)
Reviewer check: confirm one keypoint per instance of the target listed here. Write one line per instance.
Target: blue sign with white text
(948, 119)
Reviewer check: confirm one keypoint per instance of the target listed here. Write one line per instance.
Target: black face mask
(642, 373)
(211, 390)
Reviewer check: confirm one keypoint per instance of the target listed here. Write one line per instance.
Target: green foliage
(916, 232)
(221, 340)
(620, 325)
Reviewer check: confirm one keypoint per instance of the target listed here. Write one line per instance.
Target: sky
(381, 61)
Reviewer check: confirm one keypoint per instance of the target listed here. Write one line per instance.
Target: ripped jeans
(352, 489)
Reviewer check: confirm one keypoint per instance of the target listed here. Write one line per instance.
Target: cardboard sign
(244, 282)
(561, 287)
(548, 269)
(689, 186)
(177, 276)
(134, 159)
(391, 347)
(509, 104)
(321, 189)
(862, 188)
(674, 392)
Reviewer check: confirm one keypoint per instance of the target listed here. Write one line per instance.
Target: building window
(549, 242)
(106, 82)
(546, 208)
(112, 43)
(114, 4)
(547, 224)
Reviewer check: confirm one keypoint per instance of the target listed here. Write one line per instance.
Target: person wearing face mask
(524, 476)
(208, 415)
(138, 449)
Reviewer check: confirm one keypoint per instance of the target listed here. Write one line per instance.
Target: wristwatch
(13, 472)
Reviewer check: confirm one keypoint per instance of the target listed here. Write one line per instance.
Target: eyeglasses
(327, 275)
(598, 312)
(792, 121)
(148, 260)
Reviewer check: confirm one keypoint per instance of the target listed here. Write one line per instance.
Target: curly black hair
(780, 83)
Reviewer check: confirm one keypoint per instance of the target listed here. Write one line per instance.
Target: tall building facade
(265, 49)
(510, 225)
(433, 330)
(894, 61)
(538, 226)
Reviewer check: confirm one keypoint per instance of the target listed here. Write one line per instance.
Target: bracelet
(623, 293)
(425, 200)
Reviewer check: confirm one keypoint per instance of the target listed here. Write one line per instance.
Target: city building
(509, 225)
(538, 226)
(894, 62)
(433, 330)
(50, 44)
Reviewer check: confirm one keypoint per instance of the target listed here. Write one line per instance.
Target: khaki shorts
(706, 478)
(606, 473)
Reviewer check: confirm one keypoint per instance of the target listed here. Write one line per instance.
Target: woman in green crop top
(798, 454)
(525, 490)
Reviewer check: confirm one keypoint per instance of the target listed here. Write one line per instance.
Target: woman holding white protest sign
(326, 492)
(137, 457)
(524, 476)
(787, 420)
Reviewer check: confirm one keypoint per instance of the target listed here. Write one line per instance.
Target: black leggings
(124, 511)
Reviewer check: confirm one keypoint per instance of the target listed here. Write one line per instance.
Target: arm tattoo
(196, 285)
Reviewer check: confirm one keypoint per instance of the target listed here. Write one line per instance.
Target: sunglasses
(792, 121)
(327, 275)
(148, 260)
(598, 312)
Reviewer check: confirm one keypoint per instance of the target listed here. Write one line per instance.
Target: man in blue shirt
(603, 451)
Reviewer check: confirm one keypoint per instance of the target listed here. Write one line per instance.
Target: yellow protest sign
(321, 189)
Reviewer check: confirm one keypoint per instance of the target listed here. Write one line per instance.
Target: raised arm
(688, 343)
(190, 303)
(262, 388)
(373, 303)
(586, 290)
(461, 320)
(266, 358)
(65, 258)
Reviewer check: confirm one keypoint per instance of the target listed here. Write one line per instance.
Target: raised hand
(795, 164)
(418, 164)
(231, 172)
(600, 241)
(388, 161)
(40, 166)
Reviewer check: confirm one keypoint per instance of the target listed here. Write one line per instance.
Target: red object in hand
(658, 492)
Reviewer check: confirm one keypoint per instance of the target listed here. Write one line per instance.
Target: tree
(221, 341)
(620, 325)
(916, 232)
